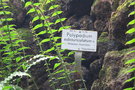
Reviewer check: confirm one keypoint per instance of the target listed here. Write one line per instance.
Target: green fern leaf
(35, 19)
(2, 42)
(19, 41)
(56, 13)
(71, 53)
(59, 78)
(44, 17)
(58, 44)
(56, 38)
(37, 26)
(37, 4)
(58, 71)
(18, 59)
(31, 10)
(5, 12)
(52, 31)
(28, 4)
(131, 22)
(130, 61)
(132, 13)
(49, 1)
(133, 51)
(7, 88)
(54, 6)
(42, 32)
(48, 24)
(60, 20)
(23, 48)
(7, 19)
(53, 58)
(131, 41)
(131, 70)
(128, 89)
(5, 7)
(44, 41)
(64, 27)
(131, 4)
(49, 50)
(129, 80)
(56, 65)
(130, 31)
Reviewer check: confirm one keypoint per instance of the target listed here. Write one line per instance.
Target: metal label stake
(78, 56)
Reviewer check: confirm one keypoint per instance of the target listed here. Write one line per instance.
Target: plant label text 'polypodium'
(79, 40)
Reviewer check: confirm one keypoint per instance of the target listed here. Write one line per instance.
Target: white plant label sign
(79, 40)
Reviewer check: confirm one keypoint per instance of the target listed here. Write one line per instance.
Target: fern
(12, 50)
(46, 23)
(131, 61)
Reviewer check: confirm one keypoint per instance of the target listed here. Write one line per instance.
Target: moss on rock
(121, 8)
(112, 74)
(103, 37)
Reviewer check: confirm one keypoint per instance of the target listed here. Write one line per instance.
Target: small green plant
(131, 61)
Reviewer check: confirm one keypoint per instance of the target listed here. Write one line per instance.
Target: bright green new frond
(49, 1)
(49, 50)
(28, 4)
(71, 53)
(32, 10)
(131, 70)
(130, 61)
(38, 26)
(56, 65)
(60, 20)
(131, 22)
(54, 7)
(48, 24)
(5, 12)
(129, 89)
(37, 4)
(56, 13)
(131, 41)
(45, 40)
(132, 3)
(6, 19)
(129, 80)
(64, 27)
(132, 13)
(130, 31)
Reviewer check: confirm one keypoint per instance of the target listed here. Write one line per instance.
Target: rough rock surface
(111, 76)
(119, 21)
(100, 14)
(19, 13)
(76, 7)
